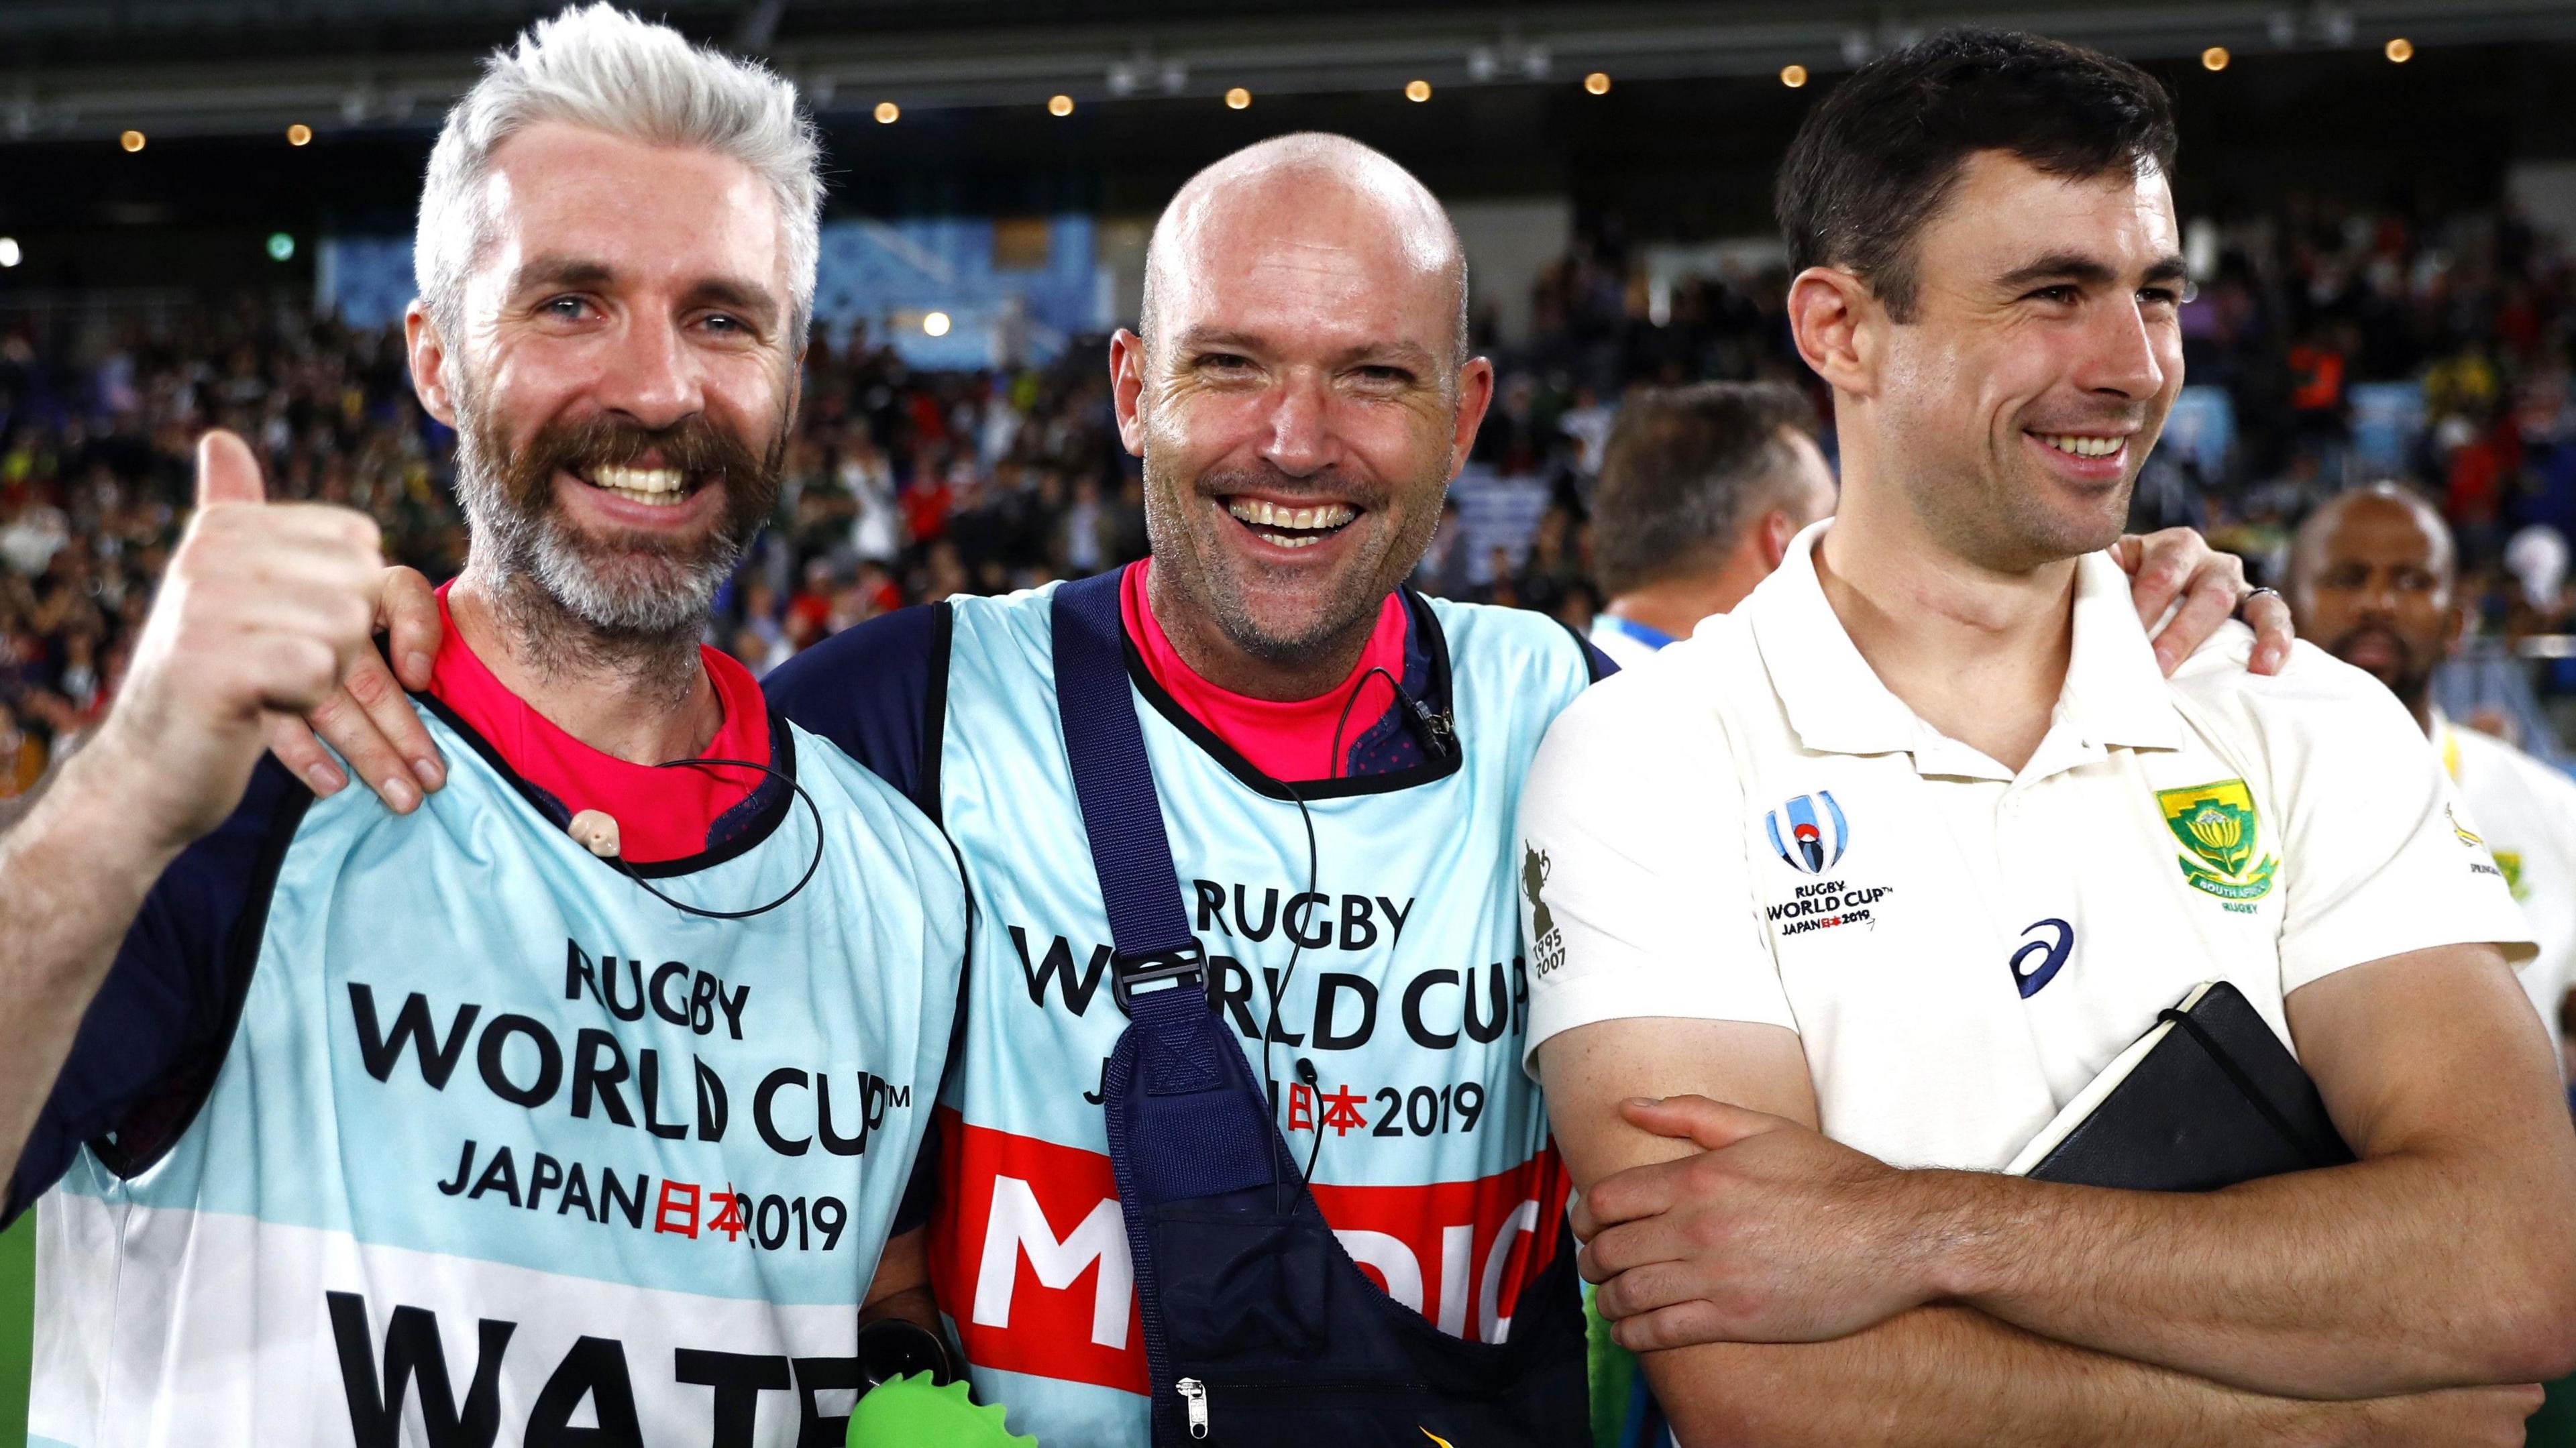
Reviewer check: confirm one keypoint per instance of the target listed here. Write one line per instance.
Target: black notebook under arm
(2210, 1097)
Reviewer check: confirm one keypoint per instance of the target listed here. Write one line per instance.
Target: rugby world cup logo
(1812, 842)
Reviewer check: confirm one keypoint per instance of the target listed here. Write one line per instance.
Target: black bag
(1260, 1331)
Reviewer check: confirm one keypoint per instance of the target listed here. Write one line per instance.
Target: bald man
(2372, 575)
(1334, 763)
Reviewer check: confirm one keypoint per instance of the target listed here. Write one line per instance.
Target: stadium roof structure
(74, 69)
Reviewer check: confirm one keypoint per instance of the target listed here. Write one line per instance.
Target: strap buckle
(1133, 975)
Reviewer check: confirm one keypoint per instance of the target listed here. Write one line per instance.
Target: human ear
(1828, 312)
(1778, 531)
(429, 358)
(1127, 388)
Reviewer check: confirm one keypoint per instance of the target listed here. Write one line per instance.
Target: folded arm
(1921, 1375)
(2446, 1256)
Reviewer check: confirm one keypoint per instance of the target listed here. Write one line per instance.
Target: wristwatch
(891, 1347)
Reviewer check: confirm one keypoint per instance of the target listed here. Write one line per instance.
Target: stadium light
(1598, 83)
(299, 134)
(132, 141)
(888, 113)
(1793, 76)
(1237, 98)
(2401, 50)
(281, 247)
(10, 255)
(935, 324)
(1417, 90)
(2214, 58)
(1059, 105)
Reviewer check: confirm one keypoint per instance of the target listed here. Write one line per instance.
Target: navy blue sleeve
(148, 1049)
(1593, 659)
(921, 1189)
(880, 692)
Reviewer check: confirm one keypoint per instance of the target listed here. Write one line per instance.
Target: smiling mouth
(2079, 445)
(1291, 527)
(653, 487)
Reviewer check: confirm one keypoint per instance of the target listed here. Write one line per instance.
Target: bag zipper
(1194, 1397)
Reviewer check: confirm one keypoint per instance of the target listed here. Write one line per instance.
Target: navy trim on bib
(879, 692)
(156, 1121)
(152, 1041)
(1434, 645)
(934, 716)
(735, 833)
(1596, 662)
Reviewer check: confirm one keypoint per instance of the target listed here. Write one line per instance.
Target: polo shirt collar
(2114, 694)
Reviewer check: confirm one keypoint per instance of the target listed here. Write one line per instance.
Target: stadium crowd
(2328, 346)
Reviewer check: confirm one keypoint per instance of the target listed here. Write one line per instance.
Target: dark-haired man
(2371, 580)
(1701, 490)
(1849, 895)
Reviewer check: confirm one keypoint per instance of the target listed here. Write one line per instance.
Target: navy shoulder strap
(1121, 814)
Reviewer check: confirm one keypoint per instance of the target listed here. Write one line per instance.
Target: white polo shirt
(2527, 812)
(1755, 829)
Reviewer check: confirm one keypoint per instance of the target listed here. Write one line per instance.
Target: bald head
(2370, 581)
(2338, 526)
(1301, 397)
(1347, 214)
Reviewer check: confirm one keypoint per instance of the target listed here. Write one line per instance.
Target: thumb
(226, 471)
(1705, 1123)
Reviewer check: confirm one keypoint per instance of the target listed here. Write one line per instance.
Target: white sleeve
(2378, 857)
(1636, 896)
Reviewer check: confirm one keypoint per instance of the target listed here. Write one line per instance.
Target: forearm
(73, 871)
(913, 1304)
(901, 1287)
(2386, 1276)
(1941, 1376)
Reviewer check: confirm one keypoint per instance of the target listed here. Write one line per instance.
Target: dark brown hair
(1877, 158)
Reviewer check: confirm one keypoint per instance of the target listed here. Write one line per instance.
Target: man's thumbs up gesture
(262, 608)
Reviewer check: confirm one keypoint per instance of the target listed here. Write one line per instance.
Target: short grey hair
(601, 67)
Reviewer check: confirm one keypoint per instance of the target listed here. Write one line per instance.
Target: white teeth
(2083, 447)
(1284, 541)
(619, 479)
(654, 500)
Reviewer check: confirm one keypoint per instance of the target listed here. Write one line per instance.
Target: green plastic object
(913, 1412)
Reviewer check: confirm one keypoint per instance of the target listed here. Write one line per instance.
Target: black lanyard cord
(811, 866)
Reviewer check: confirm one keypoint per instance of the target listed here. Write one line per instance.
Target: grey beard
(568, 613)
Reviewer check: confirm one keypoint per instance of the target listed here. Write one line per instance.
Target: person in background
(1701, 490)
(1442, 573)
(22, 756)
(2372, 580)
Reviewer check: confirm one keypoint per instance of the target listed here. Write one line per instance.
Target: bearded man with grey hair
(579, 1101)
